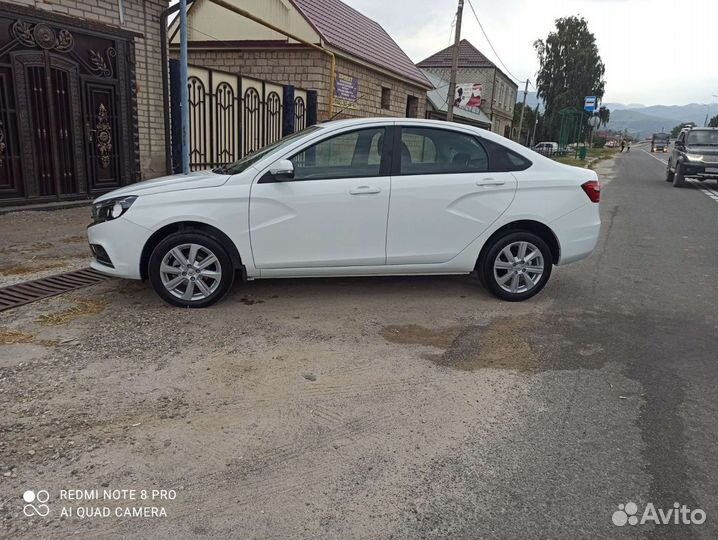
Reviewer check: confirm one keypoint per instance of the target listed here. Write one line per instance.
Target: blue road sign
(589, 104)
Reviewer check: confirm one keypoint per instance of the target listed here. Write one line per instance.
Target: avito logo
(678, 515)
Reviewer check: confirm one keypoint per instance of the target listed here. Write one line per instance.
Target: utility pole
(523, 108)
(454, 64)
(533, 134)
(184, 91)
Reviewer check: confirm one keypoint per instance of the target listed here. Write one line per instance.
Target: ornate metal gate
(232, 115)
(65, 122)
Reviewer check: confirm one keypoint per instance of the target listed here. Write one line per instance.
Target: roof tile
(348, 30)
(469, 56)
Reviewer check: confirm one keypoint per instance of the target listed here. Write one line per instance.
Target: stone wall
(142, 17)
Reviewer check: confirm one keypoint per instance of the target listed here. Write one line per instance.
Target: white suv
(353, 198)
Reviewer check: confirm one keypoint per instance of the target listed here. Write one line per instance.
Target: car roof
(422, 122)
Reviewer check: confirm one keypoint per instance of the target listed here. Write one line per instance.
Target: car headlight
(694, 157)
(111, 208)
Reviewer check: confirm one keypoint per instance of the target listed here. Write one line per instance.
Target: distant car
(695, 155)
(546, 148)
(659, 142)
(355, 197)
(611, 144)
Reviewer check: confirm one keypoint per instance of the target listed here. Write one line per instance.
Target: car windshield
(250, 159)
(661, 136)
(703, 137)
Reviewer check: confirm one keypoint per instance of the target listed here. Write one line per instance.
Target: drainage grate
(30, 291)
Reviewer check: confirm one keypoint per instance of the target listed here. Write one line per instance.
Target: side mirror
(282, 170)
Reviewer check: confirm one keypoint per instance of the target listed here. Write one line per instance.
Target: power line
(492, 47)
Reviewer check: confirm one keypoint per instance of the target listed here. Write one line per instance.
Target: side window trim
(384, 160)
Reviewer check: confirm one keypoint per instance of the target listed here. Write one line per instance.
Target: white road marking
(713, 194)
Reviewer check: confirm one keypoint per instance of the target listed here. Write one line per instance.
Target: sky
(656, 52)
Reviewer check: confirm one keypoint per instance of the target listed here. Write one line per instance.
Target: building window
(412, 106)
(385, 98)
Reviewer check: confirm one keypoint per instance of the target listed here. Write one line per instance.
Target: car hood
(704, 150)
(175, 182)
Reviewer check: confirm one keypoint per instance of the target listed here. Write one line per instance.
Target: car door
(332, 213)
(444, 194)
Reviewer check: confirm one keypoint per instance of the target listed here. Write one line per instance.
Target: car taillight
(593, 189)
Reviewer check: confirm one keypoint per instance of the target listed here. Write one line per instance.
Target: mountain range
(641, 120)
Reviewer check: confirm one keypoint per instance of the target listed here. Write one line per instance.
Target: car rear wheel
(516, 266)
(678, 178)
(190, 269)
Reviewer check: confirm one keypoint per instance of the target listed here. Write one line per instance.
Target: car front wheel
(678, 179)
(669, 173)
(516, 266)
(190, 269)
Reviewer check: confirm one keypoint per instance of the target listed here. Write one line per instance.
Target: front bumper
(122, 242)
(699, 170)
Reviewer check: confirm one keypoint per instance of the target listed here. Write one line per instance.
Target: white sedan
(354, 198)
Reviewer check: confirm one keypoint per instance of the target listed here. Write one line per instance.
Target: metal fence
(232, 115)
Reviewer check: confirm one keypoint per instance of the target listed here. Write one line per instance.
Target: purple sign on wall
(346, 91)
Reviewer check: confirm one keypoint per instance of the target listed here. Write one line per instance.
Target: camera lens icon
(40, 497)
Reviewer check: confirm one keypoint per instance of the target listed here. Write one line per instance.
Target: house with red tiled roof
(480, 84)
(375, 77)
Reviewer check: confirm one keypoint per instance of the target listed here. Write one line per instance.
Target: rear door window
(439, 151)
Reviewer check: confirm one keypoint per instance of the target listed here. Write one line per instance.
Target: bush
(599, 142)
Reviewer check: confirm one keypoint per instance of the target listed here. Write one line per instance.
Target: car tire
(191, 270)
(678, 178)
(669, 174)
(509, 281)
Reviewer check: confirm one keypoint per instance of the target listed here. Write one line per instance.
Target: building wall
(311, 69)
(143, 17)
(498, 93)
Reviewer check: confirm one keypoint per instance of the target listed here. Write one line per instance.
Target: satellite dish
(594, 121)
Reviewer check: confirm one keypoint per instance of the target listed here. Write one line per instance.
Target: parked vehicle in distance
(694, 155)
(354, 198)
(659, 142)
(546, 148)
(611, 144)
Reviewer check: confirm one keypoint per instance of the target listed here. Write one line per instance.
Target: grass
(80, 309)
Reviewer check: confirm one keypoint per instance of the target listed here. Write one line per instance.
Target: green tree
(676, 130)
(713, 122)
(570, 68)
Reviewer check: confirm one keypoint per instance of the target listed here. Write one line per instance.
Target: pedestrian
(628, 149)
(623, 145)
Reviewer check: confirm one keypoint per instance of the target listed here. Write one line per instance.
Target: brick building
(498, 91)
(81, 97)
(376, 77)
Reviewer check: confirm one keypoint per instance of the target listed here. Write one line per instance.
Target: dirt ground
(400, 408)
(278, 412)
(288, 408)
(38, 244)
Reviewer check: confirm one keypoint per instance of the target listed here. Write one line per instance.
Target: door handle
(490, 182)
(365, 190)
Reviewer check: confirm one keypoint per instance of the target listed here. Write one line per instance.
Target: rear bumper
(577, 233)
(122, 242)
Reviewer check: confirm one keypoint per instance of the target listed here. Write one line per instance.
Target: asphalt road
(403, 408)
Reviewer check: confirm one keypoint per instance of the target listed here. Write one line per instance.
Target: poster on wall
(346, 91)
(468, 96)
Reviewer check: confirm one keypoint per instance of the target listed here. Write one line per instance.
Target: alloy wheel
(190, 272)
(518, 267)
